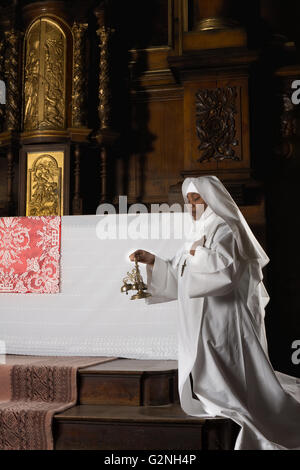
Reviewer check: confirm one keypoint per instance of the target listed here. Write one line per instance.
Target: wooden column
(2, 77)
(213, 26)
(213, 15)
(104, 136)
(103, 174)
(10, 179)
(79, 93)
(12, 115)
(11, 121)
(77, 200)
(104, 33)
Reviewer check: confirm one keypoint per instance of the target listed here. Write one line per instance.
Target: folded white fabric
(192, 188)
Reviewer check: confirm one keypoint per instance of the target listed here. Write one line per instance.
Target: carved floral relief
(215, 123)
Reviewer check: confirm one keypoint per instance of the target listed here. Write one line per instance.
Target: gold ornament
(45, 76)
(134, 281)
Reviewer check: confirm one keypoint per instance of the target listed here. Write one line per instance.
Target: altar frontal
(84, 312)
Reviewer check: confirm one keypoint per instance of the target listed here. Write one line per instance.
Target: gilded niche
(215, 123)
(44, 184)
(45, 76)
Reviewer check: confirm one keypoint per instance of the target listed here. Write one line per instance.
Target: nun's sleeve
(161, 281)
(213, 271)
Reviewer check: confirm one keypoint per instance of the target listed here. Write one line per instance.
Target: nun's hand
(142, 257)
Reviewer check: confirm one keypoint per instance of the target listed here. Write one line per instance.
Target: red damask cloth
(30, 254)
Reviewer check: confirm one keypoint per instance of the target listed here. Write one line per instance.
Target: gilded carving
(32, 78)
(45, 76)
(11, 77)
(44, 184)
(2, 84)
(104, 92)
(79, 79)
(215, 123)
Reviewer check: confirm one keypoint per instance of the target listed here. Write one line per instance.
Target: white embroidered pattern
(37, 274)
(14, 238)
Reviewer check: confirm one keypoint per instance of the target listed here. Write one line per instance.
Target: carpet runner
(32, 390)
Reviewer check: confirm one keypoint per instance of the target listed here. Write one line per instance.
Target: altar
(90, 316)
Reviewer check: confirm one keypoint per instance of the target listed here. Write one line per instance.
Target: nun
(224, 368)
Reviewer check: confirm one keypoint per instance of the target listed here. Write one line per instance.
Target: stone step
(111, 427)
(129, 382)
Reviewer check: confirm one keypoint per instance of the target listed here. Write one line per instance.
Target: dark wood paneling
(240, 128)
(140, 428)
(146, 22)
(99, 436)
(129, 382)
(158, 158)
(109, 390)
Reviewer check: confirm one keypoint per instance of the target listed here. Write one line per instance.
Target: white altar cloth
(90, 316)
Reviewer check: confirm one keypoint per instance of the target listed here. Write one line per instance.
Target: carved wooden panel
(45, 76)
(216, 125)
(191, 139)
(44, 183)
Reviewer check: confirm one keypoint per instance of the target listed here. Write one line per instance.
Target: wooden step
(130, 382)
(166, 427)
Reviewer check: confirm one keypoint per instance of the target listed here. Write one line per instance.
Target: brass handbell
(134, 281)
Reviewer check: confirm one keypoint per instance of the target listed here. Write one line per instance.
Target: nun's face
(194, 199)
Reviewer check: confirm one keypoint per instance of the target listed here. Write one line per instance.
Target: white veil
(219, 200)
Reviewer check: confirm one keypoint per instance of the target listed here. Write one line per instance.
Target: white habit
(221, 331)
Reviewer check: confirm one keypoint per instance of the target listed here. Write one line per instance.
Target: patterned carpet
(32, 390)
